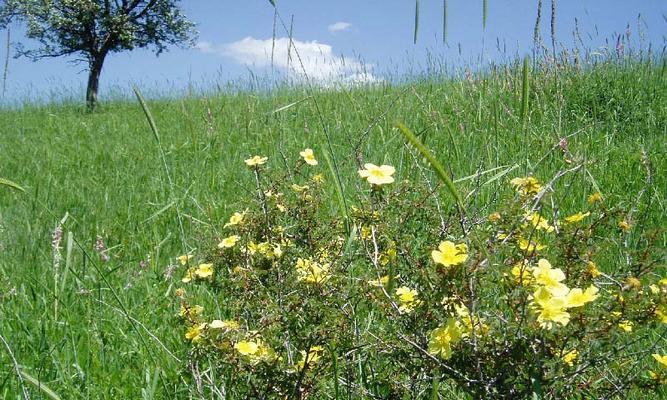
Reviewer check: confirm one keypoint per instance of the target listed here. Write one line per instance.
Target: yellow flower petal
(308, 156)
(449, 254)
(256, 161)
(375, 175)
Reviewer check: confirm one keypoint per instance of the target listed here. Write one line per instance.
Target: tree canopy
(92, 29)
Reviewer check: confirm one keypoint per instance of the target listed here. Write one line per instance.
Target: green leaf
(435, 164)
(7, 182)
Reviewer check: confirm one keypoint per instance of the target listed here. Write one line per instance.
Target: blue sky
(342, 39)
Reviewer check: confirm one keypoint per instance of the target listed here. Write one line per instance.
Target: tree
(93, 29)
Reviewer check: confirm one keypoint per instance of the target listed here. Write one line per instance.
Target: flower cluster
(311, 271)
(552, 298)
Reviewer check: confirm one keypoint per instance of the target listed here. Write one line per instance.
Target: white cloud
(339, 27)
(310, 59)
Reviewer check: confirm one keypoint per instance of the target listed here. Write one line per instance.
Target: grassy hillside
(94, 329)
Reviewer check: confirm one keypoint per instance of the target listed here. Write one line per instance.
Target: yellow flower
(190, 311)
(526, 186)
(624, 225)
(388, 256)
(235, 219)
(265, 353)
(593, 269)
(298, 188)
(313, 355)
(408, 299)
(275, 251)
(661, 313)
(312, 272)
(626, 325)
(494, 217)
(569, 357)
(577, 298)
(449, 254)
(229, 324)
(550, 278)
(239, 270)
(365, 232)
(246, 348)
(189, 274)
(194, 333)
(308, 157)
(633, 282)
(469, 323)
(180, 292)
(204, 271)
(658, 377)
(228, 242)
(443, 338)
(184, 259)
(522, 273)
(661, 359)
(319, 178)
(375, 175)
(576, 217)
(530, 246)
(552, 311)
(256, 161)
(539, 222)
(594, 198)
(549, 308)
(254, 351)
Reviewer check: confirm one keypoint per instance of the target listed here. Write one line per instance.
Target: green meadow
(77, 324)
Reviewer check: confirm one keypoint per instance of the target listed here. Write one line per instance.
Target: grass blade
(342, 204)
(478, 174)
(334, 365)
(7, 182)
(290, 105)
(525, 88)
(435, 164)
(160, 211)
(485, 13)
(39, 385)
(416, 21)
(435, 388)
(444, 21)
(147, 111)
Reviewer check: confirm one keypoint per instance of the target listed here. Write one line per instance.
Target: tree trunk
(94, 72)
